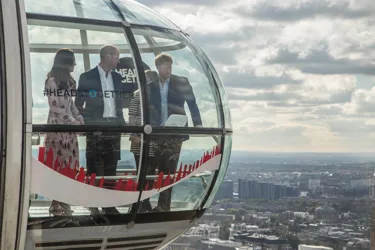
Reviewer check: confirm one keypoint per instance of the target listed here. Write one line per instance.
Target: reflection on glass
(53, 35)
(187, 90)
(80, 8)
(224, 100)
(140, 39)
(179, 172)
(223, 95)
(53, 7)
(106, 80)
(91, 90)
(140, 14)
(132, 11)
(102, 37)
(168, 95)
(41, 64)
(223, 169)
(95, 10)
(98, 98)
(79, 172)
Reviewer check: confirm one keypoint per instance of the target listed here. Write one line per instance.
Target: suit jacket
(94, 108)
(179, 92)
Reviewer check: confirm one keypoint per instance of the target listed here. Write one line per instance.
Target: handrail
(168, 130)
(148, 177)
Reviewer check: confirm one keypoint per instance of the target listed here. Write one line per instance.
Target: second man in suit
(102, 104)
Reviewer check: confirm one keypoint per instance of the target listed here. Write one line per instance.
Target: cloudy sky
(299, 74)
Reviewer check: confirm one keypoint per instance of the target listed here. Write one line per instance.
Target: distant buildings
(343, 235)
(205, 231)
(209, 217)
(177, 246)
(251, 189)
(372, 187)
(217, 244)
(194, 236)
(225, 190)
(372, 228)
(360, 183)
(243, 189)
(314, 185)
(326, 213)
(261, 240)
(241, 227)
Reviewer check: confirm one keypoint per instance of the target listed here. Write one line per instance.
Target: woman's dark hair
(62, 64)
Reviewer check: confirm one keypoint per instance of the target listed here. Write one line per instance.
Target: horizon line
(305, 152)
(274, 152)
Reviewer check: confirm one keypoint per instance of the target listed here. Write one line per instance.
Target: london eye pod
(74, 178)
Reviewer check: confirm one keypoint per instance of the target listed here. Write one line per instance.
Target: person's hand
(75, 122)
(81, 121)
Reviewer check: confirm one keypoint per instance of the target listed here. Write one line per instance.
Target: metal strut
(142, 82)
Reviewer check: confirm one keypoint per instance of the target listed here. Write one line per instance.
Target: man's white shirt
(109, 98)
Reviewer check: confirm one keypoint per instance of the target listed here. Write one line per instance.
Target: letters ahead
(128, 75)
(128, 71)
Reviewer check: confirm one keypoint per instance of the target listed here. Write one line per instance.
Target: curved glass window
(63, 188)
(72, 8)
(191, 93)
(223, 169)
(182, 168)
(92, 154)
(139, 14)
(219, 84)
(81, 82)
(85, 41)
(56, 35)
(103, 10)
(2, 118)
(223, 96)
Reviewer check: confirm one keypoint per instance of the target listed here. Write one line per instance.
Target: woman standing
(59, 85)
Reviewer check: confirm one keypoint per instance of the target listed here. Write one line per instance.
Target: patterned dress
(62, 111)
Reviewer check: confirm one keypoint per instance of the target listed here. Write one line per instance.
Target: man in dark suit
(100, 103)
(167, 96)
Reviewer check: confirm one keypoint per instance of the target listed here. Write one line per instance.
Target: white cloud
(363, 102)
(294, 10)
